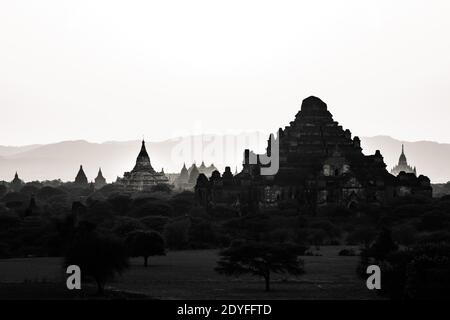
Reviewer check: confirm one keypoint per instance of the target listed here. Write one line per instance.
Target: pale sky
(105, 70)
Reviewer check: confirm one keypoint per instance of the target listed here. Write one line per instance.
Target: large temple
(403, 165)
(319, 164)
(143, 177)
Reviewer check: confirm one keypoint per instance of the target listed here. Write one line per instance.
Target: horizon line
(196, 135)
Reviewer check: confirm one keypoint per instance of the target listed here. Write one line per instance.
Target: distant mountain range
(62, 160)
(431, 158)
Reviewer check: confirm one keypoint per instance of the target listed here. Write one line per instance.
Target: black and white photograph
(224, 155)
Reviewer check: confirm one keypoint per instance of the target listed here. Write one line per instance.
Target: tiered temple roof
(403, 165)
(81, 178)
(319, 163)
(143, 176)
(100, 181)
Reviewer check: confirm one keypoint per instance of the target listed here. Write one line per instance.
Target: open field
(191, 275)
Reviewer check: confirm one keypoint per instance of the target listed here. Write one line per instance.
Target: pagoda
(319, 163)
(403, 165)
(143, 177)
(16, 184)
(81, 179)
(100, 181)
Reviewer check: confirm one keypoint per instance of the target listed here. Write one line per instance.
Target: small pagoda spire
(16, 179)
(81, 177)
(402, 160)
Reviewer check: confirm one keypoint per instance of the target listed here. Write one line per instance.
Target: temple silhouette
(319, 164)
(403, 165)
(81, 178)
(143, 177)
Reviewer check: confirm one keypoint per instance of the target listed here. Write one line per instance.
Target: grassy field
(189, 275)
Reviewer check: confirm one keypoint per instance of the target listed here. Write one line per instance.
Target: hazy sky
(114, 70)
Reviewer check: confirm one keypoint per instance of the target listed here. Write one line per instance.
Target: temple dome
(313, 103)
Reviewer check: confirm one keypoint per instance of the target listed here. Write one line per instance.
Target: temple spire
(143, 160)
(403, 161)
(81, 178)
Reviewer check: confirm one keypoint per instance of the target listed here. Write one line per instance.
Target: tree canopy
(261, 259)
(145, 244)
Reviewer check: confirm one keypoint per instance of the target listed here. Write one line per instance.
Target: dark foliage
(145, 244)
(162, 188)
(150, 207)
(201, 234)
(422, 272)
(156, 223)
(98, 256)
(123, 226)
(176, 234)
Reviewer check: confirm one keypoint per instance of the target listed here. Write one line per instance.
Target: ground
(189, 275)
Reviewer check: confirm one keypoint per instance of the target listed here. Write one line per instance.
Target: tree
(123, 226)
(98, 256)
(145, 244)
(383, 245)
(176, 234)
(260, 259)
(419, 272)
